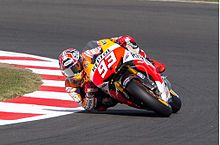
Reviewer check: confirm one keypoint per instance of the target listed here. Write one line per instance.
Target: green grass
(15, 82)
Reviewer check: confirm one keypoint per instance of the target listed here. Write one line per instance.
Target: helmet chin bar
(68, 72)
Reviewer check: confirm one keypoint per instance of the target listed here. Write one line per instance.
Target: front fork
(168, 84)
(120, 84)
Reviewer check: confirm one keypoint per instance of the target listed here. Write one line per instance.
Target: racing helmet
(70, 63)
(129, 43)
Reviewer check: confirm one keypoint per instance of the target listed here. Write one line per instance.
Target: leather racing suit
(85, 92)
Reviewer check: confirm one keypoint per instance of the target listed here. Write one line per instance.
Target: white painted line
(8, 53)
(49, 95)
(31, 63)
(5, 122)
(53, 83)
(46, 71)
(34, 109)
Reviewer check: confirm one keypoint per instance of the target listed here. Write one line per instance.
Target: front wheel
(175, 102)
(138, 91)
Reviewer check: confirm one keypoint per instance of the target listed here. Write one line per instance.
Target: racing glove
(115, 39)
(73, 94)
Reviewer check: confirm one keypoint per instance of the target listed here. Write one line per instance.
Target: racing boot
(104, 103)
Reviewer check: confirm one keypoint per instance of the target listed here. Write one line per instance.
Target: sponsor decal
(141, 75)
(126, 81)
(103, 42)
(99, 58)
(86, 65)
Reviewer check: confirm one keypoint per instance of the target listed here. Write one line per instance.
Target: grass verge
(15, 81)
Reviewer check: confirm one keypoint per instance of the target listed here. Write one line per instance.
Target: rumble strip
(50, 100)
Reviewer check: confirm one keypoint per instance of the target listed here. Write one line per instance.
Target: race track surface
(183, 36)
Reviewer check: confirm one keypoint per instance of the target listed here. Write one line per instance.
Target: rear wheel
(138, 91)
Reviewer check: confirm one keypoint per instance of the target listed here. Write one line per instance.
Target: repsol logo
(99, 58)
(134, 55)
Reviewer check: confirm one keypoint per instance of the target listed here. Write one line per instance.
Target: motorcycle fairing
(106, 63)
(129, 56)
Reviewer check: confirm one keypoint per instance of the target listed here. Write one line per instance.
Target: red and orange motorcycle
(133, 80)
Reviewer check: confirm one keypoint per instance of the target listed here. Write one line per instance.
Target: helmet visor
(73, 70)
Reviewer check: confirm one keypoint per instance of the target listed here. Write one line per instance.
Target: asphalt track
(183, 36)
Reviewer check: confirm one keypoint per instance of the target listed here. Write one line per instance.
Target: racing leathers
(85, 92)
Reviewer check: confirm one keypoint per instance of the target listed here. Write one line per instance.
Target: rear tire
(138, 91)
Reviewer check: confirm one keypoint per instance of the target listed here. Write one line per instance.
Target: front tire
(175, 103)
(138, 91)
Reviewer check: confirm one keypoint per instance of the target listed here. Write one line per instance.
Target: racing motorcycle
(133, 80)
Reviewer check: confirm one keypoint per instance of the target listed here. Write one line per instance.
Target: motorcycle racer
(75, 67)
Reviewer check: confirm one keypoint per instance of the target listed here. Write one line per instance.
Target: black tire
(175, 103)
(138, 91)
